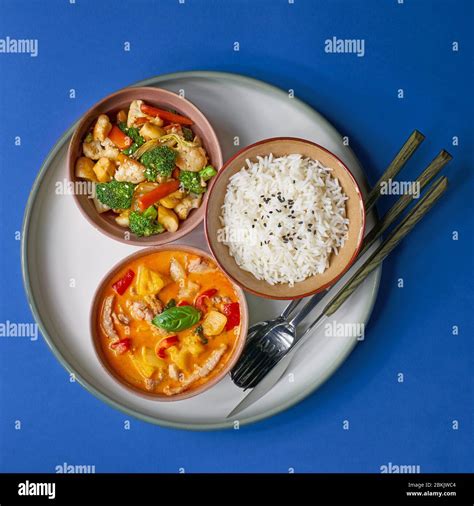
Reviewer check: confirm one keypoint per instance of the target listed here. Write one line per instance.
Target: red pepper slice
(232, 311)
(200, 301)
(121, 346)
(168, 116)
(121, 140)
(122, 284)
(166, 343)
(183, 303)
(148, 199)
(140, 121)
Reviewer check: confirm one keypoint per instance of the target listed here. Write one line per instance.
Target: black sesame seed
(264, 224)
(253, 226)
(300, 223)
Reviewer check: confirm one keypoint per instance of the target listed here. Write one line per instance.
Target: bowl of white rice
(285, 218)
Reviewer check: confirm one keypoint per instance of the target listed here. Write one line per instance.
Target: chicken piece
(190, 202)
(199, 372)
(200, 266)
(187, 289)
(168, 218)
(123, 319)
(140, 311)
(95, 150)
(154, 303)
(177, 271)
(84, 169)
(104, 170)
(123, 219)
(149, 131)
(192, 158)
(173, 372)
(130, 170)
(173, 199)
(122, 116)
(106, 319)
(102, 128)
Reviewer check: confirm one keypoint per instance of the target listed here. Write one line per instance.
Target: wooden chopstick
(402, 203)
(403, 229)
(406, 151)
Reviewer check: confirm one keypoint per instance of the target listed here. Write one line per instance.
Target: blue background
(407, 46)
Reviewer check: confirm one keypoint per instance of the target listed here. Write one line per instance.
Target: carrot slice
(121, 140)
(168, 116)
(148, 199)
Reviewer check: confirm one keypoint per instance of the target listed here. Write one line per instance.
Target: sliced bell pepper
(168, 116)
(121, 140)
(200, 301)
(140, 121)
(121, 346)
(166, 343)
(148, 199)
(232, 311)
(122, 284)
(183, 303)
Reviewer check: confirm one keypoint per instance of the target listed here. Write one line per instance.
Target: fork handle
(290, 308)
(307, 308)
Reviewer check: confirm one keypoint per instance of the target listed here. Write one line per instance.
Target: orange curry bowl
(168, 323)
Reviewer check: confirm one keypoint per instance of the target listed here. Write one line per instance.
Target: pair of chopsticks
(419, 210)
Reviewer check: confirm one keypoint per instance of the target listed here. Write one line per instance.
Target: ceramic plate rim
(228, 423)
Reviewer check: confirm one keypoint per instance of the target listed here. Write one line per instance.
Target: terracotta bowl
(111, 104)
(94, 330)
(281, 146)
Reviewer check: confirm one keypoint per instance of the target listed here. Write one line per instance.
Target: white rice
(257, 220)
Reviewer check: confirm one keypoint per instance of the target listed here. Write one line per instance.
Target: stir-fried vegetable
(166, 115)
(161, 191)
(176, 319)
(123, 283)
(145, 157)
(159, 161)
(134, 135)
(191, 181)
(115, 194)
(145, 224)
(232, 311)
(120, 138)
(207, 173)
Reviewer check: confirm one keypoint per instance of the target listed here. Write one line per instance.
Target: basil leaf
(176, 319)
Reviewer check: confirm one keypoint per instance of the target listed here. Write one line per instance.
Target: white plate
(63, 258)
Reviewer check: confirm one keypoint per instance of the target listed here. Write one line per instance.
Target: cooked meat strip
(106, 319)
(154, 304)
(200, 266)
(140, 311)
(199, 372)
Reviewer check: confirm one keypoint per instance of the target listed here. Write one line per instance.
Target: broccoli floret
(207, 173)
(159, 161)
(134, 134)
(191, 181)
(144, 224)
(115, 194)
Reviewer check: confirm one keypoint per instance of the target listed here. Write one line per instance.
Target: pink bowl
(111, 104)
